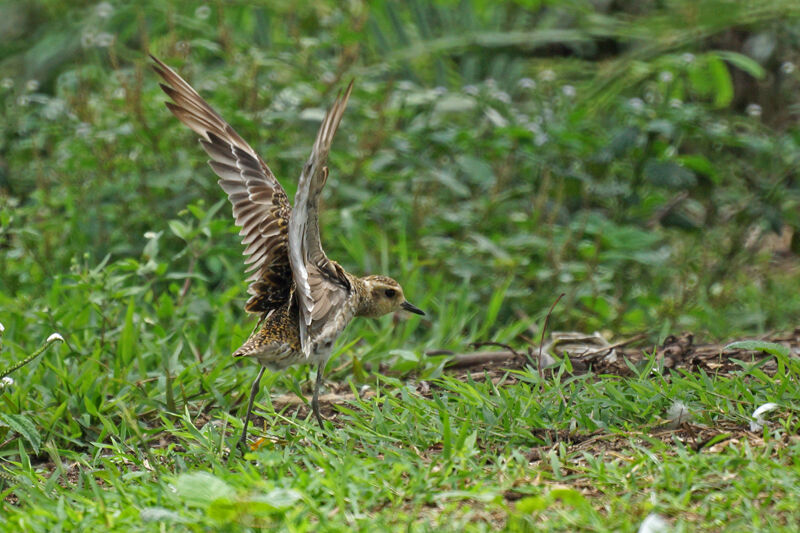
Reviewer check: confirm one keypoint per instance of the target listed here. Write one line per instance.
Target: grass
(488, 176)
(449, 454)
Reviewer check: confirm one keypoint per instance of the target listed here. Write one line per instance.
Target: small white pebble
(758, 416)
(654, 523)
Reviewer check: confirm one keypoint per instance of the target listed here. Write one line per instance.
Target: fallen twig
(463, 360)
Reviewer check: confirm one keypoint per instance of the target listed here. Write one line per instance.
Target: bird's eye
(389, 293)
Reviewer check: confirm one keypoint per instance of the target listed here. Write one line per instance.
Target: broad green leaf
(723, 84)
(772, 348)
(25, 427)
(201, 488)
(669, 174)
(742, 62)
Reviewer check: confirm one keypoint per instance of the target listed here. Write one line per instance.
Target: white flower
(7, 381)
(675, 103)
(31, 85)
(439, 91)
(636, 104)
(490, 83)
(104, 40)
(83, 129)
(471, 90)
(569, 91)
(23, 101)
(540, 139)
(53, 108)
(547, 75)
(754, 110)
(88, 38)
(665, 76)
(7, 83)
(526, 83)
(104, 10)
(202, 12)
(119, 93)
(534, 128)
(787, 67)
(502, 96)
(687, 57)
(717, 128)
(55, 337)
(2, 328)
(496, 118)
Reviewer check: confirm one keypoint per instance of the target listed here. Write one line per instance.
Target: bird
(304, 299)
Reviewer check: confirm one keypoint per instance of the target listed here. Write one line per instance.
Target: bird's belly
(280, 359)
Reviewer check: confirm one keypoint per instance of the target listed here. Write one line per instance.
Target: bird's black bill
(412, 308)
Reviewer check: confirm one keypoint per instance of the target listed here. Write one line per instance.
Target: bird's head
(382, 296)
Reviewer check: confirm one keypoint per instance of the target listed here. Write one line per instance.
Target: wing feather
(260, 205)
(321, 285)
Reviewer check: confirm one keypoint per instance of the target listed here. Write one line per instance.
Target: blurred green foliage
(613, 153)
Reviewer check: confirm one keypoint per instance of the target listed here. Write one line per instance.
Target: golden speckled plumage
(276, 344)
(305, 299)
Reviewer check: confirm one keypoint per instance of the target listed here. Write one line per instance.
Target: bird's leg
(253, 392)
(315, 398)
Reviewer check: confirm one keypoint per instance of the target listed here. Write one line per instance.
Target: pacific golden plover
(305, 300)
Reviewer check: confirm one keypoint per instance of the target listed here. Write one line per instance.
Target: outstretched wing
(322, 286)
(260, 205)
